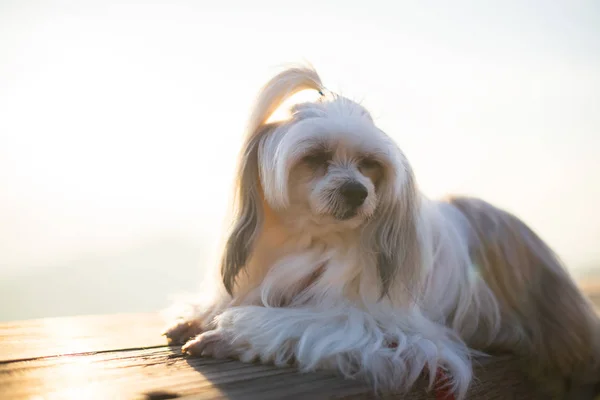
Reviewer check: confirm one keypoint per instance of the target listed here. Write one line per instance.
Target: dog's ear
(249, 212)
(392, 235)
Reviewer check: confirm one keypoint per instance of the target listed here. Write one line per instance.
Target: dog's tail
(546, 318)
(280, 88)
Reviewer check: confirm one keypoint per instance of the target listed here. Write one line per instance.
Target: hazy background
(120, 123)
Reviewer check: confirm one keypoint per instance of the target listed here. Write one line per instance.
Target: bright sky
(121, 120)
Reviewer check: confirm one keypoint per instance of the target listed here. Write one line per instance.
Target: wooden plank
(164, 373)
(124, 357)
(139, 374)
(72, 335)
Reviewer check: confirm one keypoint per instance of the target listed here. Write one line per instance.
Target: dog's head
(325, 168)
(328, 165)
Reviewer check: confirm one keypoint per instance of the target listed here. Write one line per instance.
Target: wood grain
(71, 335)
(162, 373)
(144, 374)
(124, 357)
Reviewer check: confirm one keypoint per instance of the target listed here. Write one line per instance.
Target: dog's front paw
(214, 343)
(183, 330)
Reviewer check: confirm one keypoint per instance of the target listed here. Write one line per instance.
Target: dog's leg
(389, 354)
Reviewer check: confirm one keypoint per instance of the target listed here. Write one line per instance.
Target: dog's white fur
(401, 285)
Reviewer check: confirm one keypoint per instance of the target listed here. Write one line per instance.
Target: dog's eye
(368, 163)
(317, 159)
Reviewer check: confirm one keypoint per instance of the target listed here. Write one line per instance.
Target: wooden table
(124, 357)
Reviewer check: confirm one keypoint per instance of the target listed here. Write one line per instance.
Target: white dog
(336, 261)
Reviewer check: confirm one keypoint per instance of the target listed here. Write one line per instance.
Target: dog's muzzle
(353, 195)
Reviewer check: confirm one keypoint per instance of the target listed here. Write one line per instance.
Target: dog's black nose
(354, 193)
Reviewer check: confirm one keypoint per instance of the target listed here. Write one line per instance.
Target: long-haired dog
(337, 261)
